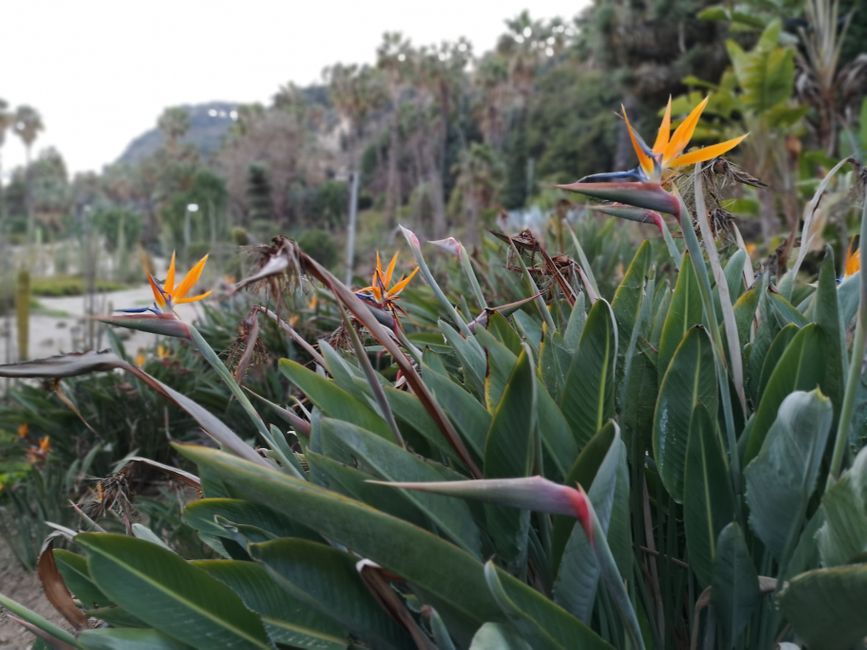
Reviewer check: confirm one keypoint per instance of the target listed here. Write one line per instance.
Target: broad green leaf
(827, 317)
(684, 311)
(126, 638)
(169, 594)
(745, 311)
(734, 272)
(689, 383)
(510, 450)
(588, 393)
(287, 619)
(240, 521)
(411, 552)
(583, 472)
(708, 503)
(73, 569)
(528, 628)
(575, 325)
(333, 400)
(772, 356)
(326, 579)
(800, 368)
(639, 402)
(412, 416)
(349, 481)
(467, 413)
(390, 462)
(557, 440)
(782, 477)
(826, 606)
(554, 362)
(843, 536)
(497, 636)
(504, 332)
(470, 355)
(735, 593)
(579, 570)
(627, 298)
(500, 362)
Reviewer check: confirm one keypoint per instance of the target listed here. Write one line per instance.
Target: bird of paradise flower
(167, 294)
(381, 293)
(668, 148)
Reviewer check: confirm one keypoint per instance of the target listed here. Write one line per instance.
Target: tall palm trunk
(353, 215)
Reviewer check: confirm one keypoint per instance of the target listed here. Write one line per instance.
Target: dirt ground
(23, 586)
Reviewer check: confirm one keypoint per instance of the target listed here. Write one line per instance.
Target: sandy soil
(21, 585)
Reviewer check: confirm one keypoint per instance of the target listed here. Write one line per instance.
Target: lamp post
(191, 209)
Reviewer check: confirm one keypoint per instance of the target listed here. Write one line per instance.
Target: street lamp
(191, 209)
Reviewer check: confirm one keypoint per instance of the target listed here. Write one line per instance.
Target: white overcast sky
(101, 71)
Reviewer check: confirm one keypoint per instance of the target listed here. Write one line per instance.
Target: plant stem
(855, 364)
(694, 249)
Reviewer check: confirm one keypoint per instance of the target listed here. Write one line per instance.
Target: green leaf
(800, 368)
(509, 453)
(330, 474)
(240, 521)
(287, 619)
(411, 552)
(470, 355)
(627, 297)
(73, 570)
(639, 401)
(496, 636)
(169, 594)
(772, 356)
(579, 570)
(827, 317)
(826, 606)
(126, 638)
(708, 502)
(333, 400)
(583, 472)
(689, 383)
(735, 593)
(684, 311)
(326, 579)
(392, 463)
(468, 414)
(782, 477)
(843, 536)
(588, 393)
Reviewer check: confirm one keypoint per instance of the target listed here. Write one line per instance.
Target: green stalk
(412, 240)
(694, 248)
(854, 378)
(38, 621)
(280, 448)
(370, 374)
(582, 258)
(467, 267)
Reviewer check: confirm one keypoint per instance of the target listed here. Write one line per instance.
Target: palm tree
(5, 123)
(28, 124)
(479, 176)
(356, 92)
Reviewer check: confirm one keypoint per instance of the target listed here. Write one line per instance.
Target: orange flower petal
(852, 261)
(706, 153)
(644, 160)
(159, 298)
(201, 296)
(400, 286)
(169, 284)
(664, 130)
(189, 280)
(390, 270)
(683, 133)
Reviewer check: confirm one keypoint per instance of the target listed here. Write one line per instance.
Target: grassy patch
(68, 285)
